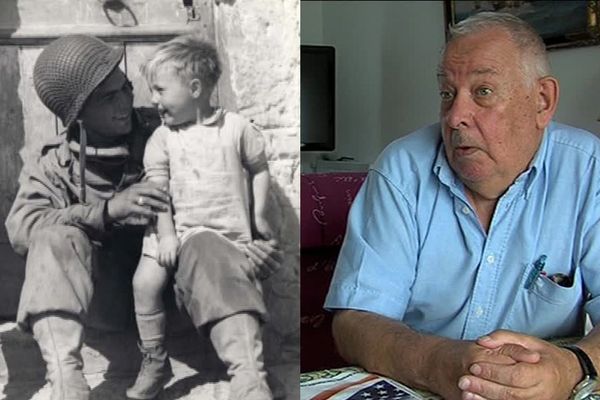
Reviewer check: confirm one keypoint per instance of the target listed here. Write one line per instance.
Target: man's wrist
(575, 374)
(428, 374)
(584, 371)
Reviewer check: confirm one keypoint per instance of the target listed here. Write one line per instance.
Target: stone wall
(260, 46)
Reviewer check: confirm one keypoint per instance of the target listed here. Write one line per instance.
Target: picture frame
(561, 24)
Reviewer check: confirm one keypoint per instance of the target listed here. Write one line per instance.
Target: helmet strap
(82, 157)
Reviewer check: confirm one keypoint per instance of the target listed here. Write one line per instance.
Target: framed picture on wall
(560, 23)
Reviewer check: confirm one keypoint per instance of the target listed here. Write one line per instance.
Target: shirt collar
(441, 167)
(212, 120)
(537, 163)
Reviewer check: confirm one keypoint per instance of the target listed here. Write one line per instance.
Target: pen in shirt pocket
(535, 272)
(538, 269)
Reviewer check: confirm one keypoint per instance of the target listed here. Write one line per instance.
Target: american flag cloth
(381, 390)
(352, 383)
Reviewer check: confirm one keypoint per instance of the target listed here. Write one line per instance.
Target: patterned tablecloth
(352, 383)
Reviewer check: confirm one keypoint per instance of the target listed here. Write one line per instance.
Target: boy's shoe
(154, 374)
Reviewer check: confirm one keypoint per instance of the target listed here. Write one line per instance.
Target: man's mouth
(461, 144)
(122, 118)
(463, 151)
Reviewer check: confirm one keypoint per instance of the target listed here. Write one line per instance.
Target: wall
(578, 71)
(311, 20)
(387, 53)
(260, 41)
(311, 32)
(386, 58)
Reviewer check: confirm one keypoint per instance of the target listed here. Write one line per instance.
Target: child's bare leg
(149, 283)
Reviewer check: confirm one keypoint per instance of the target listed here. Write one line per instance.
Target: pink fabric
(325, 202)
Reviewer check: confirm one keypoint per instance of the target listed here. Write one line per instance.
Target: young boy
(214, 165)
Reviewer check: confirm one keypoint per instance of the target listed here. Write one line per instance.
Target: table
(353, 383)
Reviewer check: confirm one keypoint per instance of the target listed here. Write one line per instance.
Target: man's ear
(546, 100)
(196, 87)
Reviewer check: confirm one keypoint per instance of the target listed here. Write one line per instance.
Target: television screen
(317, 98)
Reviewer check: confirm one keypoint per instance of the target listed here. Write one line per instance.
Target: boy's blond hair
(190, 56)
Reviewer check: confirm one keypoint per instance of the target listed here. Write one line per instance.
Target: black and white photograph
(150, 171)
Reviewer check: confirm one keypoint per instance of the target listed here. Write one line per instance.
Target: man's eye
(446, 95)
(484, 91)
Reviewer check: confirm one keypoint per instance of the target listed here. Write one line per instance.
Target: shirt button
(479, 312)
(465, 210)
(490, 259)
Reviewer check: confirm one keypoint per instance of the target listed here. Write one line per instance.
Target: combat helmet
(69, 69)
(65, 74)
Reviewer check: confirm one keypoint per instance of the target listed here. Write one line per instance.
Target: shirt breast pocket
(547, 309)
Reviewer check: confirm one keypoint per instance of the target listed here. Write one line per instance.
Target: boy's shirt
(207, 167)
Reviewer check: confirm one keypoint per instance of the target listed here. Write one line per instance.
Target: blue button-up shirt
(415, 251)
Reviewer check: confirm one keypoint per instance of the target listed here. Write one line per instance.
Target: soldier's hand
(137, 204)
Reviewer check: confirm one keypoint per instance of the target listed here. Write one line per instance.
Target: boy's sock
(151, 328)
(237, 341)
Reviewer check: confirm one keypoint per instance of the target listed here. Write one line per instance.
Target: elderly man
(80, 213)
(475, 239)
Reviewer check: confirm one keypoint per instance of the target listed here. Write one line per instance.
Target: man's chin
(117, 133)
(471, 171)
(114, 132)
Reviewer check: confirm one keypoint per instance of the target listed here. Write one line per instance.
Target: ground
(111, 361)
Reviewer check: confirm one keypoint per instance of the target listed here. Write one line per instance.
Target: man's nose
(124, 99)
(461, 111)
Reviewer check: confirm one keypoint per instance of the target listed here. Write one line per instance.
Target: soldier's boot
(60, 339)
(237, 341)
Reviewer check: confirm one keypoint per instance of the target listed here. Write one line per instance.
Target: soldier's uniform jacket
(49, 190)
(48, 197)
